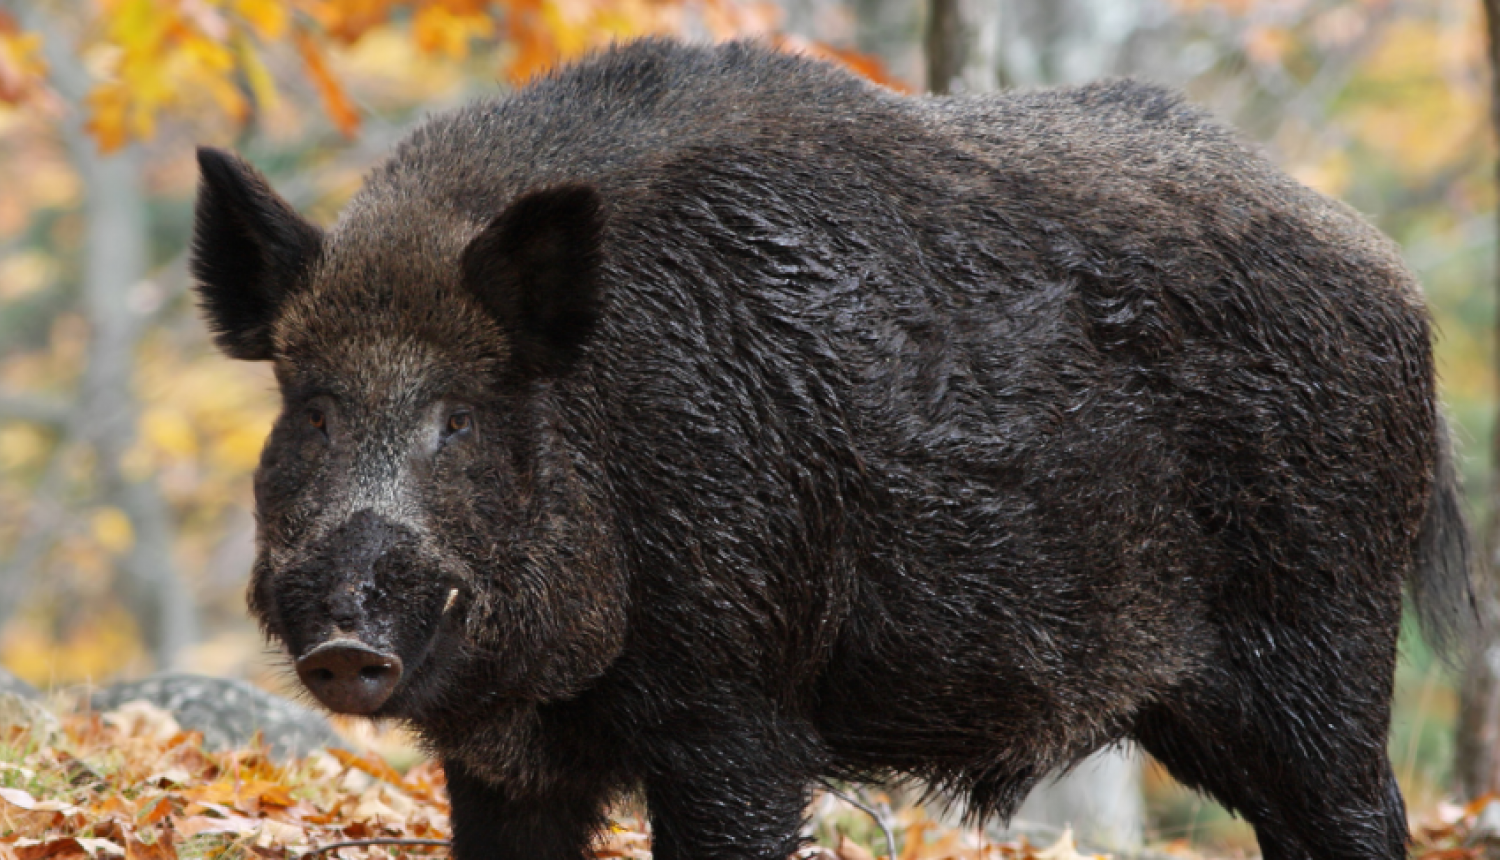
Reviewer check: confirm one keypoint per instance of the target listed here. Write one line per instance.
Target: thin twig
(363, 843)
(890, 838)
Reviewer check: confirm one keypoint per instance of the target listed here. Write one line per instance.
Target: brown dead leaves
(1453, 832)
(927, 841)
(133, 786)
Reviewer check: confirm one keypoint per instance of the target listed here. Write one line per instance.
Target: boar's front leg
(490, 825)
(727, 798)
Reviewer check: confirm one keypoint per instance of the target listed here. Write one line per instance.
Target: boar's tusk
(452, 597)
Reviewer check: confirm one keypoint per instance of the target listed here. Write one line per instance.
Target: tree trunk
(105, 413)
(963, 41)
(117, 237)
(1477, 766)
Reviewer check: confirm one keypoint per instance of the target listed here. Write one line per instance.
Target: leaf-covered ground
(131, 785)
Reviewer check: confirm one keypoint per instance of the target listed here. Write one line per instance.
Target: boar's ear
(535, 268)
(250, 248)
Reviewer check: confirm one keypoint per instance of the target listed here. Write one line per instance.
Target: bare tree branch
(51, 412)
(963, 37)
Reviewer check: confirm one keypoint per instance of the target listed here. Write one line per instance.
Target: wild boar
(708, 422)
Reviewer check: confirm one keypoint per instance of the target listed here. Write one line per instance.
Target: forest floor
(132, 785)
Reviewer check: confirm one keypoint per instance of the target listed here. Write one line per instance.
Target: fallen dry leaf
(144, 793)
(1065, 849)
(42, 849)
(143, 720)
(196, 825)
(848, 849)
(162, 849)
(18, 798)
(369, 763)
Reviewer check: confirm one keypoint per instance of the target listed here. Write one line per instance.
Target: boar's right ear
(250, 248)
(535, 269)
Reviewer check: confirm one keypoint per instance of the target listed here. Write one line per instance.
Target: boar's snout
(349, 677)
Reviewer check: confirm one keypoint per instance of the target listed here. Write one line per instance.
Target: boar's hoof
(348, 676)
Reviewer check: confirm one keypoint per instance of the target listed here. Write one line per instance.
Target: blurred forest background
(127, 444)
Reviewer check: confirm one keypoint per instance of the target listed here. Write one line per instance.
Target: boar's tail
(1440, 581)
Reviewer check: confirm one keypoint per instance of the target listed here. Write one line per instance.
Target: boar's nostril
(349, 676)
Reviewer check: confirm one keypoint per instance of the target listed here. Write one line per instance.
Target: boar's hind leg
(1303, 761)
(488, 825)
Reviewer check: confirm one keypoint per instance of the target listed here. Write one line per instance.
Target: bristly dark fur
(710, 422)
(1439, 579)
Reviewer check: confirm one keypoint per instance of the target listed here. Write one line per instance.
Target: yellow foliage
(89, 652)
(348, 20)
(1330, 174)
(52, 183)
(169, 431)
(262, 85)
(1417, 117)
(391, 67)
(166, 55)
(21, 67)
(239, 450)
(268, 18)
(22, 447)
(154, 57)
(111, 529)
(25, 272)
(437, 30)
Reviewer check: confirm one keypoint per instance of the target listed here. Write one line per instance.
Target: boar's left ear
(535, 269)
(250, 250)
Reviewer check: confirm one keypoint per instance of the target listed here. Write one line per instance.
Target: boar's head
(427, 535)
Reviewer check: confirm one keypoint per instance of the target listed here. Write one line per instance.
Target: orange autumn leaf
(348, 20)
(109, 110)
(340, 108)
(535, 51)
(21, 68)
(154, 810)
(233, 792)
(268, 18)
(33, 849)
(437, 29)
(164, 848)
(370, 764)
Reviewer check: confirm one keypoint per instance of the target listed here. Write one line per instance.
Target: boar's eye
(317, 420)
(458, 422)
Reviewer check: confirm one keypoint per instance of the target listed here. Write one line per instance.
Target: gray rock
(11, 684)
(19, 709)
(1100, 800)
(227, 712)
